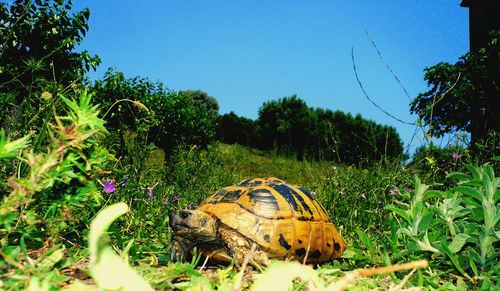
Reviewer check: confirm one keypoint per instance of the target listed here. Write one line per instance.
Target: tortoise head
(194, 225)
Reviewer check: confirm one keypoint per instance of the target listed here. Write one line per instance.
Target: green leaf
(9, 149)
(488, 179)
(454, 260)
(106, 267)
(52, 259)
(364, 238)
(469, 191)
(432, 194)
(472, 264)
(458, 176)
(101, 223)
(475, 171)
(404, 214)
(458, 242)
(287, 272)
(425, 222)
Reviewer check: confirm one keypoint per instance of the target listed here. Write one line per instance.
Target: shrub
(457, 228)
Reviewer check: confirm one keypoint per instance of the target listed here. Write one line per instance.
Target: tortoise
(284, 221)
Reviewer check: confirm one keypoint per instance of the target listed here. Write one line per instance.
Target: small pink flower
(176, 197)
(393, 191)
(313, 193)
(166, 201)
(363, 195)
(109, 187)
(456, 156)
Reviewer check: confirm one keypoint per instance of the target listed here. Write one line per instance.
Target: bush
(154, 114)
(38, 61)
(60, 190)
(457, 227)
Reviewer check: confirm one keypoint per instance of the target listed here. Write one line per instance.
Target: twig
(352, 276)
(387, 66)
(204, 263)
(403, 282)
(239, 278)
(395, 268)
(308, 247)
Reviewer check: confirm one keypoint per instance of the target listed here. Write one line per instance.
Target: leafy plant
(47, 206)
(457, 227)
(38, 61)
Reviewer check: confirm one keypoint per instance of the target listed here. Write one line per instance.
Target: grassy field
(386, 213)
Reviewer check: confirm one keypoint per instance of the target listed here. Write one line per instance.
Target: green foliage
(202, 101)
(458, 227)
(155, 114)
(291, 127)
(286, 125)
(236, 129)
(38, 61)
(435, 163)
(462, 95)
(50, 204)
(57, 171)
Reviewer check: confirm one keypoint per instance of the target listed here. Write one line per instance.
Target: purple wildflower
(150, 193)
(363, 195)
(166, 201)
(313, 193)
(456, 156)
(109, 187)
(176, 197)
(393, 191)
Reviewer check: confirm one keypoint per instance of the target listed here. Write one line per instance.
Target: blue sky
(244, 53)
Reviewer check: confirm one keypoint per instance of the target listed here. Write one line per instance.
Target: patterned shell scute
(285, 220)
(271, 198)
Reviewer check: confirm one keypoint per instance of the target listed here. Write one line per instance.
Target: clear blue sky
(244, 53)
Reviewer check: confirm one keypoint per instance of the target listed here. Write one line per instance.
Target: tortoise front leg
(180, 249)
(239, 247)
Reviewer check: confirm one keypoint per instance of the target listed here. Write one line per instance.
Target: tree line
(39, 62)
(289, 126)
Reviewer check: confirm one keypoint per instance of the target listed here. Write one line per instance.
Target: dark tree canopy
(37, 53)
(286, 124)
(237, 129)
(469, 104)
(290, 126)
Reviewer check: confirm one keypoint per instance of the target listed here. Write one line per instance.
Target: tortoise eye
(184, 214)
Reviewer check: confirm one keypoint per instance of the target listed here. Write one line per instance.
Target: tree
(463, 96)
(237, 129)
(171, 119)
(292, 127)
(286, 124)
(37, 42)
(202, 100)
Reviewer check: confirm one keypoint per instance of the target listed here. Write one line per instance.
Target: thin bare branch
(368, 97)
(387, 66)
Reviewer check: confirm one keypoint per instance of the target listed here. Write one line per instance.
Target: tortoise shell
(285, 220)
